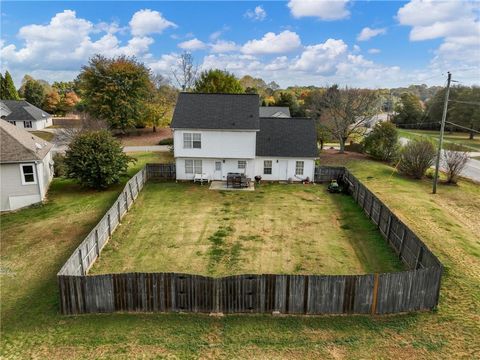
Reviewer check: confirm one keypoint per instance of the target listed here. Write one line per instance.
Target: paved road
(471, 169)
(155, 148)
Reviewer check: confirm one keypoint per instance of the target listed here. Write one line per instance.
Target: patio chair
(201, 178)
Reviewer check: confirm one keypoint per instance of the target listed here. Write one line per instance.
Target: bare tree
(87, 123)
(344, 112)
(185, 72)
(454, 158)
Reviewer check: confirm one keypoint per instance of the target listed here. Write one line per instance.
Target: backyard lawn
(35, 243)
(459, 138)
(45, 135)
(275, 229)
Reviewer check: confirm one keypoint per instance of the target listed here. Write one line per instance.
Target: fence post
(380, 216)
(96, 242)
(364, 197)
(126, 201)
(119, 212)
(81, 261)
(371, 208)
(375, 294)
(419, 257)
(389, 226)
(131, 192)
(402, 243)
(109, 225)
(136, 182)
(305, 294)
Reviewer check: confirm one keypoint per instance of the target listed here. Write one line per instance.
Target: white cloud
(321, 58)
(257, 14)
(164, 64)
(223, 46)
(374, 51)
(456, 22)
(368, 33)
(193, 44)
(324, 10)
(148, 21)
(65, 44)
(272, 43)
(436, 19)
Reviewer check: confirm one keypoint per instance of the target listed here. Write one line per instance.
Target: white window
(242, 164)
(299, 167)
(193, 166)
(218, 166)
(192, 140)
(267, 167)
(13, 122)
(28, 174)
(27, 124)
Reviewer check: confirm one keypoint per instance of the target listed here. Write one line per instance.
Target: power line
(463, 127)
(465, 102)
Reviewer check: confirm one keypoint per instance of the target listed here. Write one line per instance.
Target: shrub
(96, 160)
(382, 142)
(354, 147)
(59, 168)
(167, 141)
(416, 157)
(455, 158)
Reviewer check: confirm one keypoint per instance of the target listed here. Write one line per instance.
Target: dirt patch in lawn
(144, 137)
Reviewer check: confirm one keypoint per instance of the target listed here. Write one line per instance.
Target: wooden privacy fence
(161, 171)
(405, 291)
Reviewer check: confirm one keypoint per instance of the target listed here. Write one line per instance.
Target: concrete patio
(222, 185)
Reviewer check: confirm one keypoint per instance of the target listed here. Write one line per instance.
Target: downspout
(38, 180)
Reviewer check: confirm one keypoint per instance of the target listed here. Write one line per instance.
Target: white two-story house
(215, 134)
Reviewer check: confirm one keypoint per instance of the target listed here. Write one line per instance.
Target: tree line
(463, 110)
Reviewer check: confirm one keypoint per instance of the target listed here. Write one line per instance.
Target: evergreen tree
(2, 87)
(9, 92)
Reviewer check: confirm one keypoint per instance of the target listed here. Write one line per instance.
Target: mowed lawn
(460, 138)
(36, 242)
(285, 229)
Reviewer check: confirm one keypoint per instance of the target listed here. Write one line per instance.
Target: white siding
(208, 168)
(217, 144)
(13, 194)
(36, 124)
(284, 168)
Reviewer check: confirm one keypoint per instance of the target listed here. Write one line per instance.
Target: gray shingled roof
(287, 137)
(216, 111)
(274, 111)
(23, 110)
(19, 145)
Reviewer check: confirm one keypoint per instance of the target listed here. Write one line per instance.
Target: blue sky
(363, 43)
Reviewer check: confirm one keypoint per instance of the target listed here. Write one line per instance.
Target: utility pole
(442, 128)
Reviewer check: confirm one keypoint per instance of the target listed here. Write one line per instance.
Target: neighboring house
(24, 115)
(215, 134)
(274, 111)
(26, 167)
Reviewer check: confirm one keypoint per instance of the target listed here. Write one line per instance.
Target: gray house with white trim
(26, 167)
(24, 115)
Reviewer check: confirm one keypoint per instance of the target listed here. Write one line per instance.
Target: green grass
(459, 138)
(45, 135)
(36, 242)
(276, 229)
